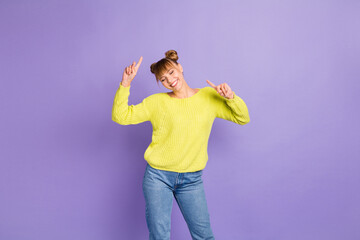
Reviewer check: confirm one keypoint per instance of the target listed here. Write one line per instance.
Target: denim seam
(182, 179)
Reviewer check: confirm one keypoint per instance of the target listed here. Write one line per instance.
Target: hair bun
(152, 67)
(172, 54)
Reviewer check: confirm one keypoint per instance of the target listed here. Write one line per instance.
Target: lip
(177, 81)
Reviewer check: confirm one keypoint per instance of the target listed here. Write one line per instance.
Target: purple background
(69, 172)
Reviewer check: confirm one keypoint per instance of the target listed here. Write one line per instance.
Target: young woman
(182, 121)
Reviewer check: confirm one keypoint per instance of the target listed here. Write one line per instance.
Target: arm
(229, 106)
(234, 110)
(124, 114)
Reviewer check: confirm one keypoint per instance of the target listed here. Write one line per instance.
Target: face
(173, 78)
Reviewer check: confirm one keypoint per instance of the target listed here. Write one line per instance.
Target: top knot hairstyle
(164, 64)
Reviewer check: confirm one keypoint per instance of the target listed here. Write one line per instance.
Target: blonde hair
(164, 64)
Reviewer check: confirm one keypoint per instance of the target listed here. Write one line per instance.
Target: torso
(171, 94)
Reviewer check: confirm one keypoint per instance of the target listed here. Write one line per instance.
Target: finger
(229, 91)
(219, 90)
(222, 88)
(228, 88)
(211, 84)
(138, 64)
(132, 67)
(225, 90)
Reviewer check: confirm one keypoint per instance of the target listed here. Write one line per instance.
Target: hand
(223, 89)
(130, 72)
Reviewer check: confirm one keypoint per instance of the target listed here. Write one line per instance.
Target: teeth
(174, 83)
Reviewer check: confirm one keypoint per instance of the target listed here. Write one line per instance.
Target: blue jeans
(160, 187)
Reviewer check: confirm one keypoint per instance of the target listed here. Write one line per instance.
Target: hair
(164, 64)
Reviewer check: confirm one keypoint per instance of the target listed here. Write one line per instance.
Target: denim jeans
(160, 187)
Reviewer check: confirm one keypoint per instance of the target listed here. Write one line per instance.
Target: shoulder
(154, 98)
(209, 90)
(211, 93)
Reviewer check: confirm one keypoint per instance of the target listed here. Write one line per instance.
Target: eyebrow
(167, 71)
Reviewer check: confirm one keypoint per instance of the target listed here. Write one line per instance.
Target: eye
(171, 72)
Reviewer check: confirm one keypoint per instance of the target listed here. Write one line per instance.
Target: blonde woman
(182, 120)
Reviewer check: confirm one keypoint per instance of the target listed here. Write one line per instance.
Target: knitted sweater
(181, 127)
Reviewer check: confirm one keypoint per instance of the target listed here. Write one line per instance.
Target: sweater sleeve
(124, 114)
(234, 109)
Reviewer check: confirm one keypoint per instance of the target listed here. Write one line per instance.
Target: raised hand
(223, 89)
(130, 72)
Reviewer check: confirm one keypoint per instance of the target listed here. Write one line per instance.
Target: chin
(179, 85)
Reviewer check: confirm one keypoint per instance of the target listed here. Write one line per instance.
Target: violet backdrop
(67, 171)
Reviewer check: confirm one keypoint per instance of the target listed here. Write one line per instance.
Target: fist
(223, 89)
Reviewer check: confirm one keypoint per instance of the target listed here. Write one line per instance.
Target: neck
(184, 92)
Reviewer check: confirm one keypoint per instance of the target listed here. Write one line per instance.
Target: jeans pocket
(193, 177)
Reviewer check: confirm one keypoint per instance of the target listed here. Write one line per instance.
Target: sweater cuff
(232, 99)
(124, 89)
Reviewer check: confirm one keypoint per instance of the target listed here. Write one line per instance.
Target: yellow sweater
(181, 127)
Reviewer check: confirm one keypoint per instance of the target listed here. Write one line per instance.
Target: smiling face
(172, 78)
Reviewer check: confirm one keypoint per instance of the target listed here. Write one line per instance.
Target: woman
(182, 121)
